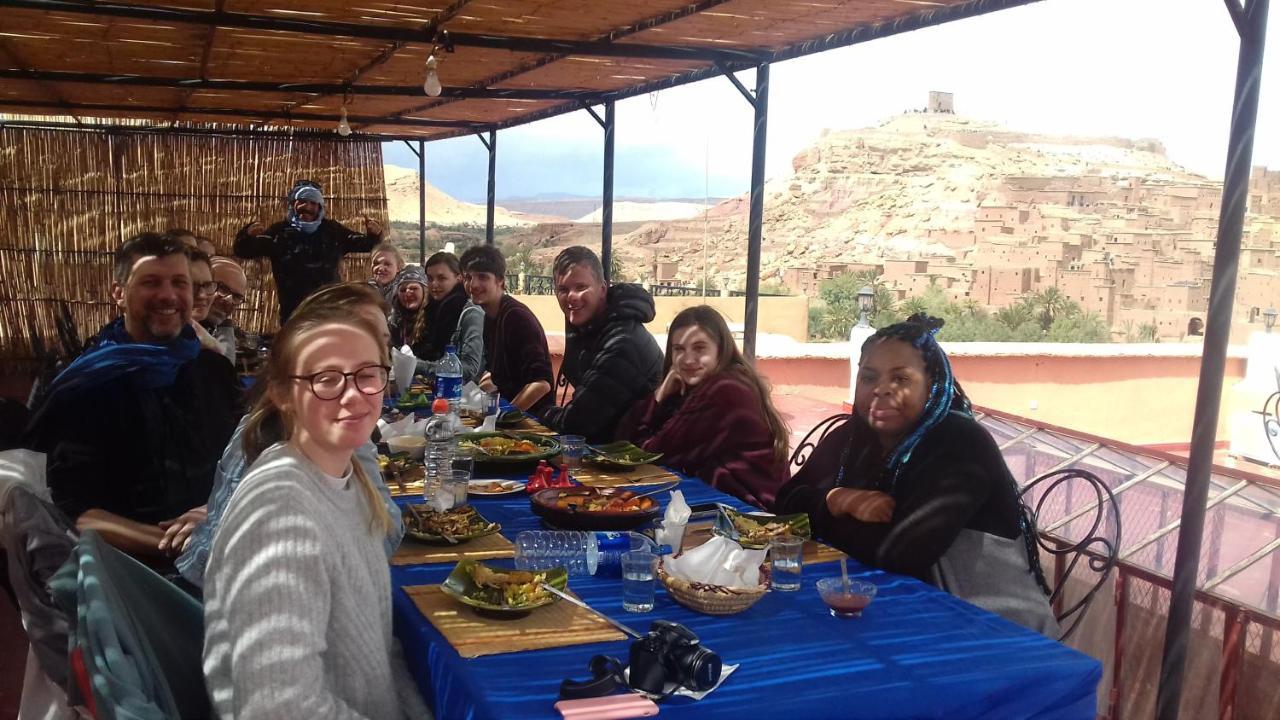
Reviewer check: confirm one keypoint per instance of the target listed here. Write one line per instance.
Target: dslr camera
(670, 653)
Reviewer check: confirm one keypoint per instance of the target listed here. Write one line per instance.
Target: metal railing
(530, 284)
(675, 291)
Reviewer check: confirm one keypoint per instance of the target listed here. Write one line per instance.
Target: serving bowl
(569, 508)
(412, 444)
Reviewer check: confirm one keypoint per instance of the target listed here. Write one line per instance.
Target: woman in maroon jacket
(712, 417)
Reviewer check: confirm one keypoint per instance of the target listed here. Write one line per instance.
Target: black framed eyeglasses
(208, 288)
(331, 384)
(232, 296)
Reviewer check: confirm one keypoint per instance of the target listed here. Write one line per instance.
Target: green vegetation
(521, 260)
(1046, 316)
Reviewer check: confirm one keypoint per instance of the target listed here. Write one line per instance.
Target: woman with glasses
(298, 592)
(193, 539)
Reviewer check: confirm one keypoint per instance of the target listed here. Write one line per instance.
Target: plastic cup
(785, 554)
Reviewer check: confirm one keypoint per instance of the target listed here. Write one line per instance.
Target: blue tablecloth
(916, 652)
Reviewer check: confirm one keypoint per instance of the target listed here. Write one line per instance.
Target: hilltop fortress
(989, 215)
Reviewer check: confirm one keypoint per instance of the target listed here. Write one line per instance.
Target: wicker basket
(713, 599)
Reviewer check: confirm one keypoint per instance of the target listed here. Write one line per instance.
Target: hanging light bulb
(432, 85)
(344, 127)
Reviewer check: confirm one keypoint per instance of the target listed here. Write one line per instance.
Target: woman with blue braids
(914, 485)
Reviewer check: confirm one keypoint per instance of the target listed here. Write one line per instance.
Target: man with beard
(306, 248)
(134, 427)
(610, 359)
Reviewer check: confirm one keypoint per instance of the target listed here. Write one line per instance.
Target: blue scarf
(148, 366)
(305, 192)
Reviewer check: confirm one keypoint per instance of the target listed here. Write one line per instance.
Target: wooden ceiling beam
(312, 89)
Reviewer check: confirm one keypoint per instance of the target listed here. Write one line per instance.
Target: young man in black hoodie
(609, 357)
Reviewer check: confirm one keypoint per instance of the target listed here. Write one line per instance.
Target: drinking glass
(456, 484)
(447, 491)
(785, 553)
(463, 460)
(572, 448)
(639, 573)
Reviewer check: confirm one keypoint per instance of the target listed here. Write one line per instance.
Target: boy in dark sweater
(516, 357)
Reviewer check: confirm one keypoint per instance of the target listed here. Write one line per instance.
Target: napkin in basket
(719, 561)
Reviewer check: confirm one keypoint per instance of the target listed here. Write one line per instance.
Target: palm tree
(882, 307)
(971, 307)
(1014, 316)
(1050, 304)
(914, 305)
(1149, 332)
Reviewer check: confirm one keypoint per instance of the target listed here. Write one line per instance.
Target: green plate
(729, 523)
(412, 402)
(547, 447)
(477, 526)
(621, 454)
(511, 418)
(461, 586)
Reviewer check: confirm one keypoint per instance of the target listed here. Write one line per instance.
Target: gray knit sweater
(298, 602)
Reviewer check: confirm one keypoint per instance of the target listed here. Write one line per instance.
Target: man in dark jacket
(134, 427)
(305, 249)
(609, 357)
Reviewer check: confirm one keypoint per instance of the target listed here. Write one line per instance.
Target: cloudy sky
(1162, 69)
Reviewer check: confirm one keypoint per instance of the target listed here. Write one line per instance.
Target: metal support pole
(1117, 662)
(755, 218)
(1251, 22)
(606, 210)
(493, 178)
(1235, 628)
(422, 202)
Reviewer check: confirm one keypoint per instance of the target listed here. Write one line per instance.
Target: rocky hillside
(869, 194)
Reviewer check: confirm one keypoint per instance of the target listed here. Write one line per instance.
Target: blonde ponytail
(379, 516)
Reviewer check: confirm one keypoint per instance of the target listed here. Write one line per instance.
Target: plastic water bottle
(438, 457)
(449, 378)
(582, 553)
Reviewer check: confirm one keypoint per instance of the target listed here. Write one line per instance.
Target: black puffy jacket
(611, 363)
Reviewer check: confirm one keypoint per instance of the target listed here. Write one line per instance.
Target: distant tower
(941, 102)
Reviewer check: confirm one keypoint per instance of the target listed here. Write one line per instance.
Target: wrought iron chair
(1101, 548)
(815, 436)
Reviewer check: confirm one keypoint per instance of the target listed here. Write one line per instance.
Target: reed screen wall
(69, 198)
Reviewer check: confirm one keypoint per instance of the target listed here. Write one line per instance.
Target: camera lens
(696, 667)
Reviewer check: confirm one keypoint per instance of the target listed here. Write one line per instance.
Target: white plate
(479, 487)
